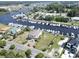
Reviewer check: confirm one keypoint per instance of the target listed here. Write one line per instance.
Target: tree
(3, 10)
(61, 19)
(48, 18)
(55, 7)
(27, 29)
(35, 9)
(20, 54)
(10, 54)
(12, 46)
(36, 16)
(41, 17)
(39, 55)
(71, 13)
(3, 52)
(14, 36)
(28, 53)
(2, 43)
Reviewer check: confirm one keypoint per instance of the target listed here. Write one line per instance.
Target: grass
(21, 38)
(45, 40)
(2, 56)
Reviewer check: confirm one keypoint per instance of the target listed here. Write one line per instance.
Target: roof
(74, 42)
(14, 30)
(75, 18)
(35, 33)
(73, 45)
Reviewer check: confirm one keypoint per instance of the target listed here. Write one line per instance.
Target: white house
(75, 18)
(35, 34)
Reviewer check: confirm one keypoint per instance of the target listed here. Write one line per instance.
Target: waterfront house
(35, 34)
(75, 18)
(13, 31)
(73, 45)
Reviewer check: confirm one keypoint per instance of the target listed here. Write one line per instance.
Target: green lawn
(45, 39)
(21, 38)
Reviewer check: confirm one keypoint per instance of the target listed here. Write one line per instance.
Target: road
(22, 47)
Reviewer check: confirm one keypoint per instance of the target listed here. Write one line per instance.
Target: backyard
(45, 40)
(22, 38)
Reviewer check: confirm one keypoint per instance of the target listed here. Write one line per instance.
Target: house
(63, 41)
(67, 54)
(14, 30)
(34, 34)
(73, 45)
(52, 14)
(75, 18)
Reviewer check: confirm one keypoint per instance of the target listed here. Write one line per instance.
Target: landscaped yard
(22, 38)
(45, 39)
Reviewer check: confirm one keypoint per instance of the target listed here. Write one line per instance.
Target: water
(5, 19)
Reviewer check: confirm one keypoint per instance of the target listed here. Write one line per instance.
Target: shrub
(3, 52)
(28, 53)
(2, 43)
(39, 55)
(12, 46)
(10, 54)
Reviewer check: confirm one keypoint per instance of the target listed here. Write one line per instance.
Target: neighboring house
(34, 34)
(72, 45)
(71, 48)
(52, 14)
(67, 54)
(75, 18)
(14, 30)
(63, 41)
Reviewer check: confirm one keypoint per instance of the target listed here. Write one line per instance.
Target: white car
(50, 24)
(47, 23)
(32, 22)
(43, 23)
(75, 27)
(31, 27)
(72, 35)
(54, 24)
(39, 22)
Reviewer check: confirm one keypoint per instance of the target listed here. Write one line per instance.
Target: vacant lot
(22, 38)
(45, 40)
